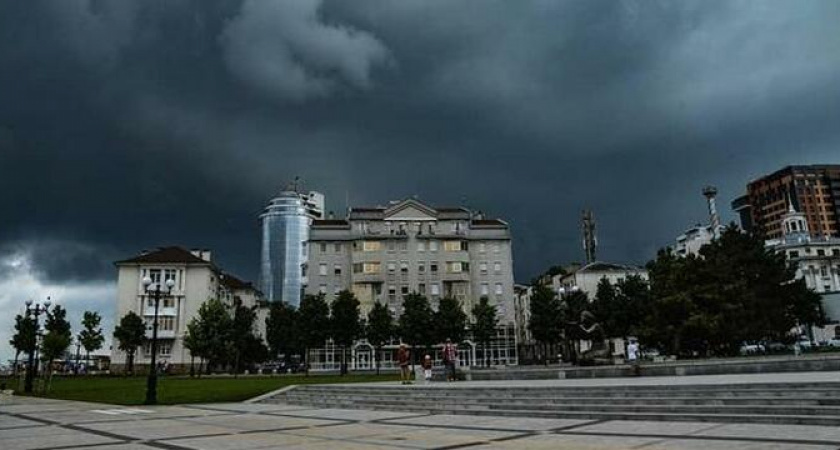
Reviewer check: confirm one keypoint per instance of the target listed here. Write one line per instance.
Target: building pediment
(410, 210)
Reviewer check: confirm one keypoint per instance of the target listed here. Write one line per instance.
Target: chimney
(205, 254)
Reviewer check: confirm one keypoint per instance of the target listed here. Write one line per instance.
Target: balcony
(149, 311)
(161, 334)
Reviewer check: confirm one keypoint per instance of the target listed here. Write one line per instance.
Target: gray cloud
(126, 126)
(286, 49)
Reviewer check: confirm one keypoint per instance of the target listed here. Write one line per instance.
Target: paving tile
(647, 427)
(249, 441)
(16, 422)
(347, 414)
(157, 428)
(353, 430)
(433, 438)
(48, 437)
(248, 407)
(564, 442)
(255, 422)
(775, 431)
(698, 444)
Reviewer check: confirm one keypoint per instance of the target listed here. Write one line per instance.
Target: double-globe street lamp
(34, 311)
(155, 291)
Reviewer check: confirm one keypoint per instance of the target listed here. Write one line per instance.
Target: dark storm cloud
(125, 125)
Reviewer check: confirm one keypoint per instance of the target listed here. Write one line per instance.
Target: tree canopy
(130, 333)
(91, 336)
(417, 321)
(450, 320)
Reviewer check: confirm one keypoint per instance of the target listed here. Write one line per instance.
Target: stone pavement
(33, 424)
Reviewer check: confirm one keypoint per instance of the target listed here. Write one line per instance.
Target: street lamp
(154, 290)
(33, 311)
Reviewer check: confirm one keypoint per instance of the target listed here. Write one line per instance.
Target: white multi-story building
(196, 279)
(817, 261)
(586, 278)
(385, 253)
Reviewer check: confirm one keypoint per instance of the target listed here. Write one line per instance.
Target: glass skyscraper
(285, 232)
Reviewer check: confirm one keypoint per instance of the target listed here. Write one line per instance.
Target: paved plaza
(31, 424)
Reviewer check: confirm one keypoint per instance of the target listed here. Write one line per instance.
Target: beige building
(196, 279)
(384, 253)
(586, 278)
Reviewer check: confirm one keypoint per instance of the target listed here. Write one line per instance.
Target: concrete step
(598, 415)
(771, 400)
(596, 406)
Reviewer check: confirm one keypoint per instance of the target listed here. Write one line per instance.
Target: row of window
(374, 267)
(161, 275)
(820, 252)
(422, 246)
(433, 290)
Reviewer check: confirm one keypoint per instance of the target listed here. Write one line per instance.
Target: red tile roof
(165, 255)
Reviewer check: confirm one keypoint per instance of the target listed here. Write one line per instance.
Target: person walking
(404, 358)
(450, 359)
(633, 356)
(427, 368)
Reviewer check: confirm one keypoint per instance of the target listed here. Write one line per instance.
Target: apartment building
(196, 278)
(812, 190)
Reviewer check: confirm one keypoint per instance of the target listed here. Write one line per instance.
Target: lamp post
(35, 311)
(155, 291)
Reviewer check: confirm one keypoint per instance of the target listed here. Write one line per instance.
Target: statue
(598, 353)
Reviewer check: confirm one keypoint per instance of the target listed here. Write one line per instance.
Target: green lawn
(178, 390)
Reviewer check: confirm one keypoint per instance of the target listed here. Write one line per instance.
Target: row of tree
(57, 336)
(291, 331)
(736, 290)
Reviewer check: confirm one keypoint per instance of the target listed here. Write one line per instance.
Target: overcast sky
(126, 125)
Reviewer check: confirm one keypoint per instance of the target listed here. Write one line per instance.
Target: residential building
(196, 278)
(813, 190)
(817, 261)
(285, 232)
(384, 253)
(586, 278)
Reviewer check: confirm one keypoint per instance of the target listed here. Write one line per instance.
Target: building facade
(382, 254)
(285, 233)
(812, 190)
(586, 278)
(817, 261)
(196, 279)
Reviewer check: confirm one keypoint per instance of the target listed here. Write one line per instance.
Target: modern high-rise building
(285, 232)
(812, 190)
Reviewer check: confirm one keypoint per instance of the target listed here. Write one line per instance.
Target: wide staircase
(783, 403)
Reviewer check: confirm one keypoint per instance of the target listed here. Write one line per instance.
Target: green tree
(242, 339)
(91, 336)
(450, 321)
(24, 340)
(215, 323)
(484, 325)
(57, 338)
(380, 329)
(416, 322)
(314, 323)
(621, 308)
(196, 343)
(130, 333)
(281, 331)
(572, 305)
(545, 322)
(345, 323)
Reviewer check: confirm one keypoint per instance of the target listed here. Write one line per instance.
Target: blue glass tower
(285, 232)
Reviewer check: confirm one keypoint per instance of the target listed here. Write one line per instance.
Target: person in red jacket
(404, 359)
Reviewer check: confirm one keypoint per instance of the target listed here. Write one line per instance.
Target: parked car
(752, 348)
(833, 342)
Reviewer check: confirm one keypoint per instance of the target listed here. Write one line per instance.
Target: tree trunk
(130, 363)
(376, 357)
(306, 360)
(192, 366)
(15, 367)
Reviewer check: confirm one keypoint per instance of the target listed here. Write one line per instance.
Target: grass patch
(181, 390)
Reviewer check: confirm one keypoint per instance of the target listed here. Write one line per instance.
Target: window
(794, 254)
(404, 267)
(403, 246)
(497, 267)
(392, 246)
(421, 246)
(820, 252)
(435, 289)
(421, 289)
(823, 271)
(168, 301)
(485, 289)
(166, 323)
(366, 268)
(404, 290)
(164, 348)
(498, 288)
(169, 274)
(453, 246)
(456, 267)
(421, 267)
(336, 290)
(835, 252)
(154, 274)
(482, 247)
(482, 267)
(371, 246)
(497, 247)
(322, 289)
(392, 267)
(358, 267)
(337, 270)
(392, 293)
(337, 247)
(322, 269)
(433, 267)
(433, 246)
(323, 247)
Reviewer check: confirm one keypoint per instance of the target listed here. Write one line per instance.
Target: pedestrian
(427, 368)
(404, 357)
(633, 356)
(450, 359)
